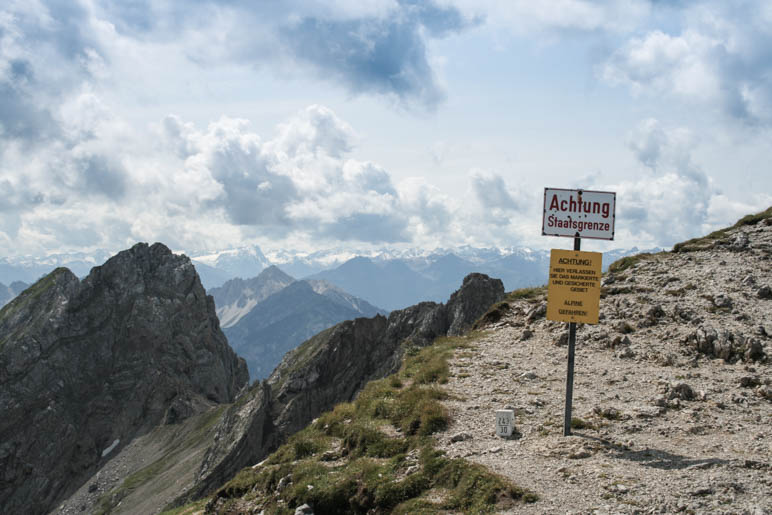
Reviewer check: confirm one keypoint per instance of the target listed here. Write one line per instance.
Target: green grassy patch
(428, 367)
(694, 244)
(607, 413)
(376, 454)
(701, 243)
(395, 381)
(527, 293)
(578, 423)
(706, 241)
(622, 264)
(754, 219)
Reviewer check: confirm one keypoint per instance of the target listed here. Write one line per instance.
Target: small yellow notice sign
(573, 293)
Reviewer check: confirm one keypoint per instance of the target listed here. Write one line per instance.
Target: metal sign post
(573, 293)
(570, 369)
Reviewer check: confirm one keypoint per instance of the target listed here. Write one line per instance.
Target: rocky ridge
(328, 369)
(187, 460)
(672, 393)
(93, 364)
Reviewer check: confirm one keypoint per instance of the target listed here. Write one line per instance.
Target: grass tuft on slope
(375, 454)
(705, 241)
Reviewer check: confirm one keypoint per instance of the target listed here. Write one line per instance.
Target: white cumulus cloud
(719, 57)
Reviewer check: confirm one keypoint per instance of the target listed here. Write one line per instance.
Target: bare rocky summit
(672, 392)
(88, 366)
(237, 297)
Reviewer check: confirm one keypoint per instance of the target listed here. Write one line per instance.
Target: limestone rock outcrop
(86, 366)
(464, 304)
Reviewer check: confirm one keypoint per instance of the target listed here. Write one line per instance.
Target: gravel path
(670, 426)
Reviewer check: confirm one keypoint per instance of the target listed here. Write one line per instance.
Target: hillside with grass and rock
(189, 459)
(671, 413)
(672, 396)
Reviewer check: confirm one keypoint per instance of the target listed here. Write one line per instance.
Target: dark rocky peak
(418, 324)
(265, 283)
(86, 366)
(275, 273)
(144, 268)
(463, 308)
(237, 297)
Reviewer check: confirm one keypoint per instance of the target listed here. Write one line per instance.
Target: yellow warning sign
(573, 293)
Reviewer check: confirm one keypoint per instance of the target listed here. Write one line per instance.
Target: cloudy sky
(308, 124)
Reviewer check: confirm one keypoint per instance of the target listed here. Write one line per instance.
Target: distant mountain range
(237, 297)
(29, 269)
(395, 283)
(388, 278)
(243, 262)
(271, 314)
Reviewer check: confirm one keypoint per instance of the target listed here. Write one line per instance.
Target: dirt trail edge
(672, 394)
